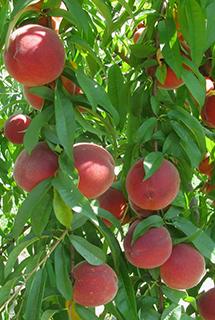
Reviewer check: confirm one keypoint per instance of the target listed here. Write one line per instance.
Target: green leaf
(96, 95)
(117, 90)
(35, 296)
(146, 224)
(201, 240)
(48, 314)
(15, 253)
(173, 312)
(32, 134)
(152, 163)
(29, 205)
(62, 211)
(88, 251)
(193, 25)
(161, 73)
(173, 295)
(146, 130)
(210, 24)
(6, 290)
(65, 120)
(85, 313)
(143, 50)
(194, 86)
(44, 92)
(40, 216)
(104, 10)
(64, 284)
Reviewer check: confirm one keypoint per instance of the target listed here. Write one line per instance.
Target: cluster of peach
(35, 56)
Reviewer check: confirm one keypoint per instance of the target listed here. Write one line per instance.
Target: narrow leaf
(62, 212)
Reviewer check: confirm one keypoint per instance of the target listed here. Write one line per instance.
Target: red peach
(35, 55)
(158, 191)
(208, 111)
(70, 86)
(15, 127)
(206, 166)
(95, 166)
(184, 269)
(150, 250)
(137, 34)
(94, 285)
(35, 101)
(206, 304)
(172, 81)
(113, 200)
(30, 170)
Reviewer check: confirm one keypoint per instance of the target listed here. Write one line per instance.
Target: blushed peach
(206, 304)
(150, 250)
(94, 285)
(158, 191)
(184, 269)
(113, 200)
(208, 111)
(95, 167)
(35, 55)
(206, 166)
(171, 81)
(35, 101)
(31, 169)
(15, 127)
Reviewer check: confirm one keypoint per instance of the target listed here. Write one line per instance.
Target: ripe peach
(150, 250)
(158, 191)
(113, 200)
(172, 81)
(139, 211)
(95, 166)
(15, 127)
(35, 101)
(137, 34)
(206, 305)
(184, 269)
(30, 170)
(70, 86)
(94, 285)
(208, 111)
(205, 166)
(35, 55)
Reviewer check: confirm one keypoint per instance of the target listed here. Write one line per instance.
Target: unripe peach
(113, 200)
(172, 81)
(158, 191)
(15, 127)
(184, 269)
(150, 250)
(35, 101)
(30, 170)
(95, 167)
(94, 285)
(206, 305)
(208, 111)
(35, 55)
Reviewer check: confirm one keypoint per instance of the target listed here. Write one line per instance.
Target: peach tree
(107, 153)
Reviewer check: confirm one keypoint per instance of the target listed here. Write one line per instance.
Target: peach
(206, 166)
(35, 101)
(70, 86)
(158, 191)
(15, 127)
(150, 250)
(137, 34)
(30, 170)
(113, 200)
(206, 304)
(172, 81)
(94, 285)
(95, 167)
(139, 211)
(53, 21)
(184, 269)
(208, 111)
(35, 55)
